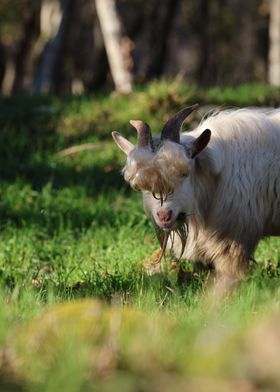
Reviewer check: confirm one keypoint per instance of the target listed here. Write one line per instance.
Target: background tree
(59, 45)
(274, 45)
(116, 44)
(53, 21)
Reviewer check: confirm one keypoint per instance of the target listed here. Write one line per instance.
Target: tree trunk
(9, 75)
(160, 26)
(30, 32)
(274, 45)
(54, 16)
(117, 46)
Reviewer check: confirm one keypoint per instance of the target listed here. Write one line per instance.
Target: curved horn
(171, 129)
(144, 135)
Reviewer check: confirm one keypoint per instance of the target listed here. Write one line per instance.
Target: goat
(211, 193)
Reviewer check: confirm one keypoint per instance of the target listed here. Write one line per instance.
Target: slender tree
(160, 27)
(54, 16)
(24, 51)
(274, 43)
(116, 44)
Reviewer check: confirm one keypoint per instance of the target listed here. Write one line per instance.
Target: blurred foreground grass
(71, 229)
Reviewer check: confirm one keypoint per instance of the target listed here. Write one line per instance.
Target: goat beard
(163, 236)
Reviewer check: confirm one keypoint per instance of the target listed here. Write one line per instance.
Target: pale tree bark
(54, 15)
(117, 46)
(9, 76)
(274, 43)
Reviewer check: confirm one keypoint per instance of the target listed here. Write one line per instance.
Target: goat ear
(201, 142)
(125, 145)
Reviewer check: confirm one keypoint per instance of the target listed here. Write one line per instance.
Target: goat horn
(144, 134)
(171, 129)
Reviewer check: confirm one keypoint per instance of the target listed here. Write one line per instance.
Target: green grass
(70, 229)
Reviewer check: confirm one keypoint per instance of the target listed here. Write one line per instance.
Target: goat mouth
(181, 218)
(175, 224)
(180, 221)
(167, 227)
(179, 228)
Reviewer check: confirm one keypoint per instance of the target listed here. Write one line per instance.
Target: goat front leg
(228, 273)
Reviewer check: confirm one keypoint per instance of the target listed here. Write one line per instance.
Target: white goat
(212, 193)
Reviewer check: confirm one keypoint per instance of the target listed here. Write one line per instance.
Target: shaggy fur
(158, 173)
(229, 193)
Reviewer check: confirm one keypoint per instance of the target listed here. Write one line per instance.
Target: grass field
(78, 312)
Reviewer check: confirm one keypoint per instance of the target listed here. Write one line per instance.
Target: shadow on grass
(76, 183)
(55, 213)
(29, 138)
(94, 179)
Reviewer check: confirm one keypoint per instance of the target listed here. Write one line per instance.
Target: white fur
(231, 196)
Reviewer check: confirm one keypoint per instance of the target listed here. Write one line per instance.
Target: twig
(79, 148)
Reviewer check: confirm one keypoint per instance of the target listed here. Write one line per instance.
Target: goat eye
(156, 196)
(184, 175)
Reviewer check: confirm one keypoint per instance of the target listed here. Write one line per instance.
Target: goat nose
(164, 215)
